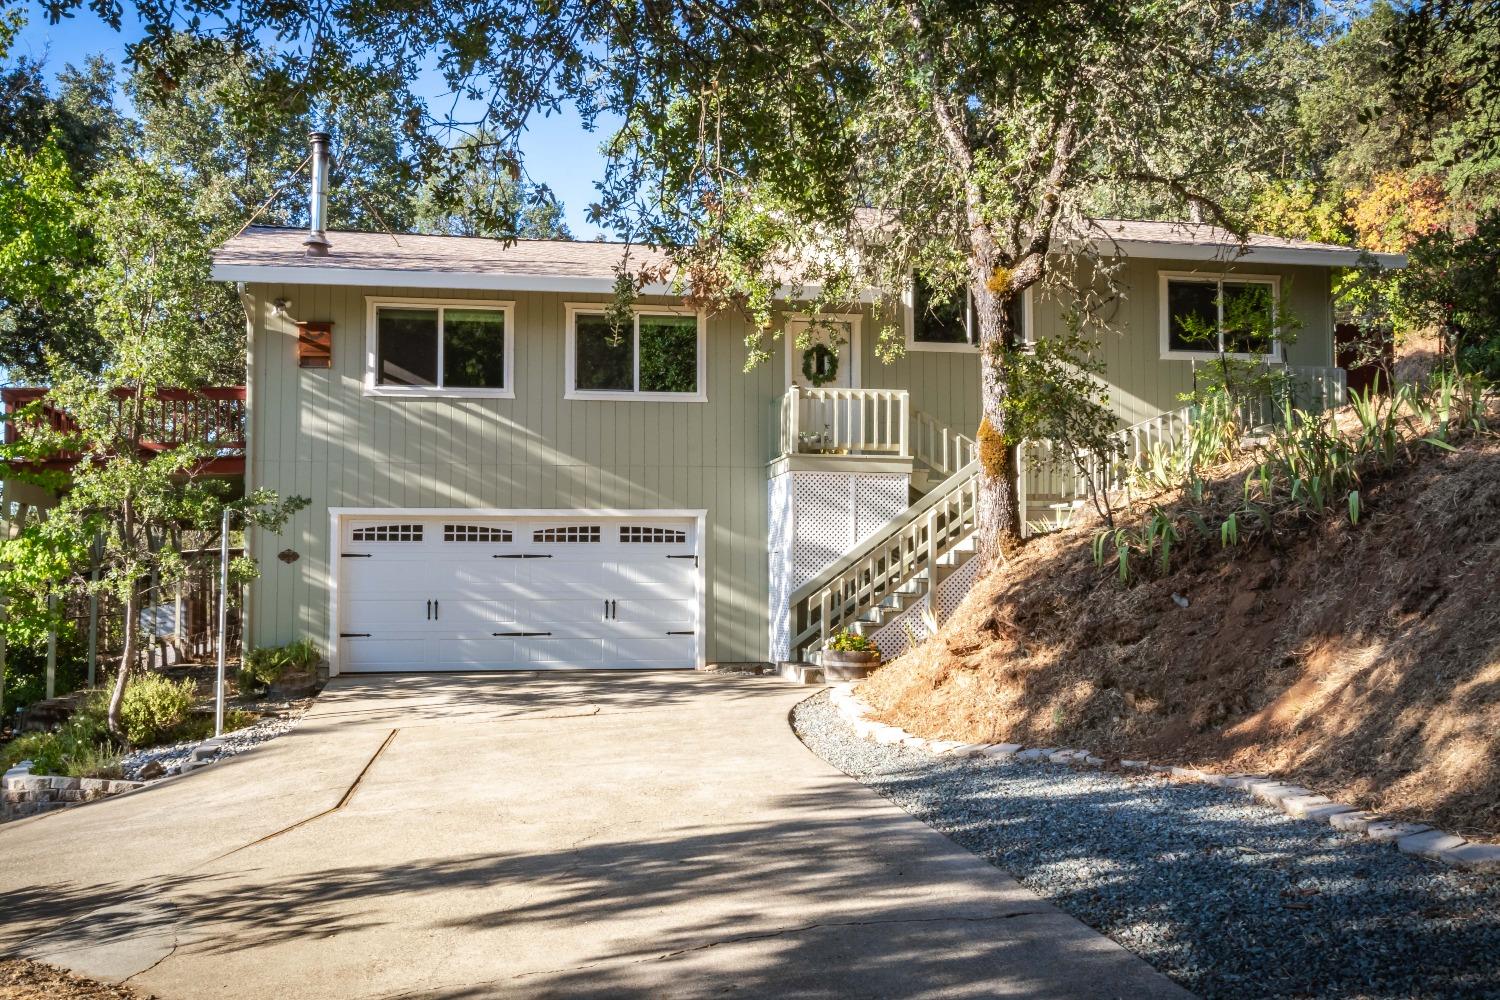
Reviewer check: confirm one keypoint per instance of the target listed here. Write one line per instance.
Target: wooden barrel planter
(840, 666)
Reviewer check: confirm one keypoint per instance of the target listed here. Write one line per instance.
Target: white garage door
(526, 593)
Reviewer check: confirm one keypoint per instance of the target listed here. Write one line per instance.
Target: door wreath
(820, 365)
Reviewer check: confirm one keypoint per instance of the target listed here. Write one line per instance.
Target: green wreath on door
(820, 365)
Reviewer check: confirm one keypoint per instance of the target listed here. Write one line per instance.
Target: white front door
(421, 593)
(828, 347)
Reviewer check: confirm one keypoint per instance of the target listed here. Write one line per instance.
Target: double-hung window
(439, 347)
(657, 354)
(1204, 315)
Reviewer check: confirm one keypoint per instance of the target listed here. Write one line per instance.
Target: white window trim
(372, 349)
(1165, 319)
(908, 300)
(855, 346)
(570, 356)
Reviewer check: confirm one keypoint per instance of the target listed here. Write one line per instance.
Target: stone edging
(1301, 803)
(25, 794)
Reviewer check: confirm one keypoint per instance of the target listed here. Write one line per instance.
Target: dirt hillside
(1363, 660)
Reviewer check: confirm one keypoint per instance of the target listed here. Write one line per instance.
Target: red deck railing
(172, 417)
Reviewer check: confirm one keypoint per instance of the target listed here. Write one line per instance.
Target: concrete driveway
(629, 835)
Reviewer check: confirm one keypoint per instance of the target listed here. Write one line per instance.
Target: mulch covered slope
(1364, 660)
(23, 979)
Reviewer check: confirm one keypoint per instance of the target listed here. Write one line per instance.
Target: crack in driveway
(342, 802)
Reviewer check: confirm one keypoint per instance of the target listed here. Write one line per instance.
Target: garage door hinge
(520, 633)
(520, 555)
(690, 632)
(693, 558)
(356, 555)
(354, 635)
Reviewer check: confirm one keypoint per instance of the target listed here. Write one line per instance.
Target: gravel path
(172, 757)
(1228, 897)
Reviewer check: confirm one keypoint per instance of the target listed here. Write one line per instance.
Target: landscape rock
(1386, 832)
(1298, 805)
(1352, 822)
(1473, 857)
(1430, 844)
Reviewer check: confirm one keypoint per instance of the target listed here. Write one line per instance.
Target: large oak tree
(851, 143)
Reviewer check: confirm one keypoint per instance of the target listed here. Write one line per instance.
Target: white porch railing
(844, 421)
(1050, 474)
(907, 546)
(938, 446)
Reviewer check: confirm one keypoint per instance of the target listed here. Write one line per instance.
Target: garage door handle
(354, 635)
(519, 633)
(436, 614)
(429, 610)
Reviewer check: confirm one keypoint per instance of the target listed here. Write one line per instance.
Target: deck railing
(1050, 473)
(170, 418)
(844, 422)
(938, 446)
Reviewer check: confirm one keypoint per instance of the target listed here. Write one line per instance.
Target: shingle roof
(269, 253)
(276, 247)
(1137, 234)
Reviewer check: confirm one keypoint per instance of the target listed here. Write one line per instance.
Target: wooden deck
(214, 416)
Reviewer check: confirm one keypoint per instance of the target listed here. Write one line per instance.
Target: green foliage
(1308, 468)
(1452, 282)
(155, 708)
(1149, 545)
(266, 665)
(480, 192)
(850, 642)
(80, 748)
(1055, 392)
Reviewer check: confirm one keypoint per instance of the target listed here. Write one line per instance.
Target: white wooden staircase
(890, 586)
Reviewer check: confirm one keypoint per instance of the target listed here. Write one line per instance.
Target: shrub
(850, 642)
(155, 708)
(266, 665)
(80, 748)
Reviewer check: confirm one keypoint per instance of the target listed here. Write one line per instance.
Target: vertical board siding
(1142, 382)
(314, 433)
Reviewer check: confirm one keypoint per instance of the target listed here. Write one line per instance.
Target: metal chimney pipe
(317, 243)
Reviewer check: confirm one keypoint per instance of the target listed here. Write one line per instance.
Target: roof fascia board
(476, 280)
(470, 280)
(1234, 254)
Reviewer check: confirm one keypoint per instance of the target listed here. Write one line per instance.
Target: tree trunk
(122, 676)
(998, 517)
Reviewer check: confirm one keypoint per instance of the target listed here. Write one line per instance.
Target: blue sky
(558, 152)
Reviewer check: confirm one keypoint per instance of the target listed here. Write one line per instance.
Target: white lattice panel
(822, 522)
(952, 591)
(877, 499)
(896, 635)
(779, 542)
(815, 518)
